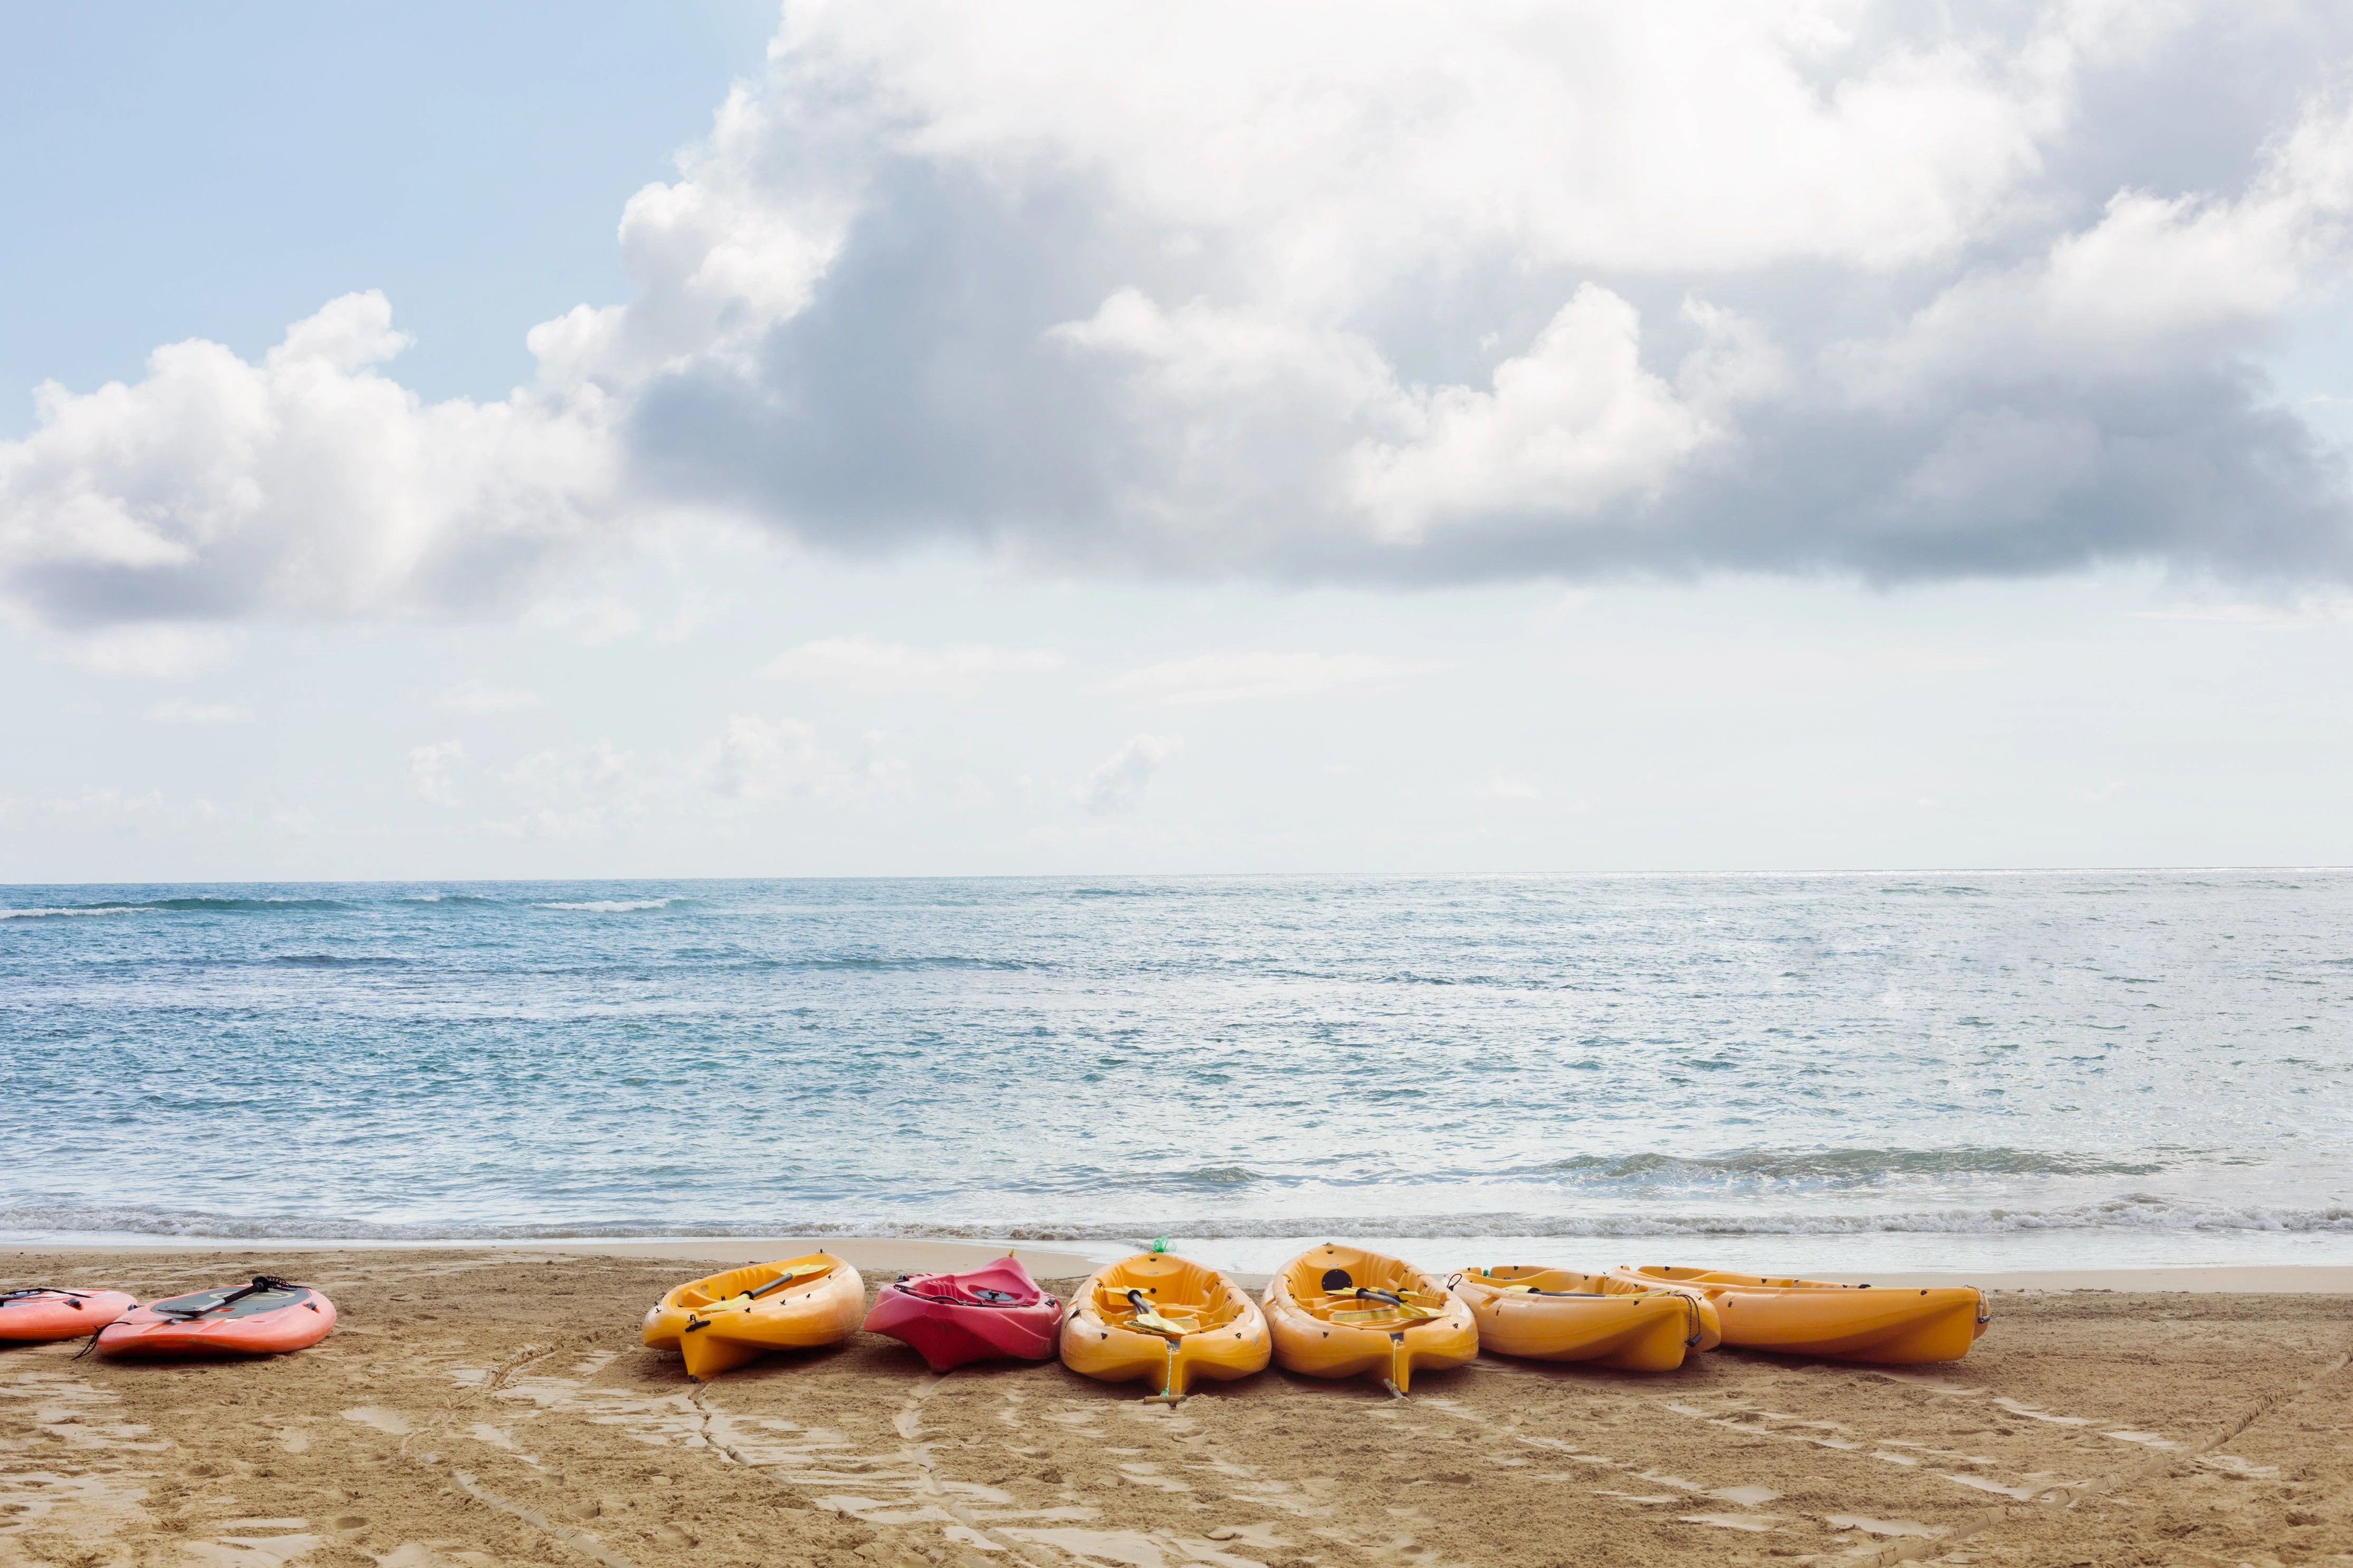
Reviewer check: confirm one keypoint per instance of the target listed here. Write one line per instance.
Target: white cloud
(1510, 788)
(762, 759)
(179, 712)
(863, 664)
(1384, 292)
(588, 791)
(306, 483)
(473, 694)
(431, 773)
(1233, 676)
(1117, 782)
(2154, 276)
(155, 651)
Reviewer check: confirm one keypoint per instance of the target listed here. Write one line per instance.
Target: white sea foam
(2150, 1218)
(609, 906)
(87, 910)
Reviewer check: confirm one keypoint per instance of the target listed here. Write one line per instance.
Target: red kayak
(38, 1314)
(951, 1318)
(261, 1319)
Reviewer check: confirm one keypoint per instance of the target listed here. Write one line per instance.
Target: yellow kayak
(1165, 1319)
(1558, 1314)
(1890, 1327)
(723, 1321)
(1339, 1311)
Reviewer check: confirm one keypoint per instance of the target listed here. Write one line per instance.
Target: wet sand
(491, 1406)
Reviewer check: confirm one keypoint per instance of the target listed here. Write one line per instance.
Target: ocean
(1795, 1071)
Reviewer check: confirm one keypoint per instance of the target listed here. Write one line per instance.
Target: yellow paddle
(744, 1298)
(1147, 1318)
(1393, 1303)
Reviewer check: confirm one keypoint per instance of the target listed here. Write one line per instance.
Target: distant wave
(185, 906)
(209, 906)
(946, 961)
(1842, 1165)
(85, 910)
(2141, 1215)
(612, 906)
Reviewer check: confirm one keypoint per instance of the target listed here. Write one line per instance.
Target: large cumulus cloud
(1388, 292)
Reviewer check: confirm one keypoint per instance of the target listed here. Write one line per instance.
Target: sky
(450, 442)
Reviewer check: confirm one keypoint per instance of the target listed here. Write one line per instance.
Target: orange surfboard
(264, 1318)
(30, 1316)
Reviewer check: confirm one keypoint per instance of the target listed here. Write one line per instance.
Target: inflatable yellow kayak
(1340, 1311)
(1890, 1327)
(1557, 1314)
(1165, 1319)
(719, 1323)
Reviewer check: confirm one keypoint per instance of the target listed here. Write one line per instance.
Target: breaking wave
(2141, 1213)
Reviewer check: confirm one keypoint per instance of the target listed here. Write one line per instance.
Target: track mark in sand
(64, 1408)
(2032, 1414)
(391, 1422)
(907, 1423)
(576, 1539)
(1988, 1484)
(711, 1437)
(1133, 1548)
(1758, 1523)
(2066, 1495)
(253, 1550)
(69, 1485)
(1870, 1526)
(85, 1507)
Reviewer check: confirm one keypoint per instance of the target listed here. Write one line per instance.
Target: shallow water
(1872, 1069)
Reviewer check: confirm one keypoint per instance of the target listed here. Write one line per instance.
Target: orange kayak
(39, 1313)
(1339, 1311)
(264, 1318)
(1164, 1320)
(1558, 1314)
(1889, 1326)
(726, 1320)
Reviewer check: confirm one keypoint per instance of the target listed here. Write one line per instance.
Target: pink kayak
(951, 1318)
(37, 1314)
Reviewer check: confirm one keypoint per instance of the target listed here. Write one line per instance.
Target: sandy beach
(483, 1406)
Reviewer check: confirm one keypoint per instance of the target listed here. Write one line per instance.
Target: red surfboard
(264, 1318)
(951, 1318)
(33, 1315)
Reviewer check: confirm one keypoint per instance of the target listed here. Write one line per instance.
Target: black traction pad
(208, 1303)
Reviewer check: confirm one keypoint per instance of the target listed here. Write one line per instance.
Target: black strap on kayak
(9, 1296)
(261, 1282)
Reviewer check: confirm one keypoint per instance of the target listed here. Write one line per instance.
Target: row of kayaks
(1333, 1311)
(262, 1316)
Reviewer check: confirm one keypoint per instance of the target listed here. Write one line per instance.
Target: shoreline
(494, 1403)
(907, 1255)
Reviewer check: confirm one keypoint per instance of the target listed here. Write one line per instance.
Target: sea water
(1797, 1071)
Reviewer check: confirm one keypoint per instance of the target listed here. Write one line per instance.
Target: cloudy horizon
(1552, 439)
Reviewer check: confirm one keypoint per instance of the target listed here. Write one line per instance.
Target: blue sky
(913, 439)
